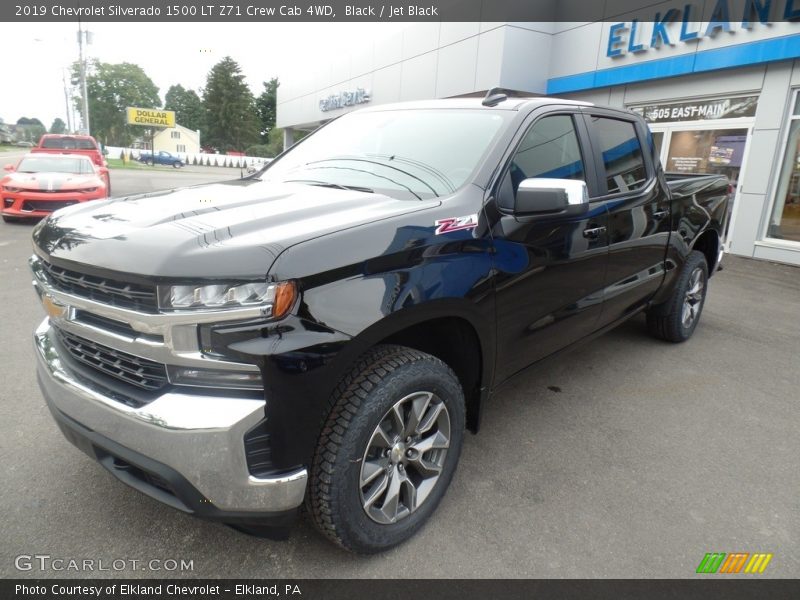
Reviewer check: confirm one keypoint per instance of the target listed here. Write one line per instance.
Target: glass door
(707, 148)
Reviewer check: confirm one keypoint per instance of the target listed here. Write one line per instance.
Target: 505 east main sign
(681, 24)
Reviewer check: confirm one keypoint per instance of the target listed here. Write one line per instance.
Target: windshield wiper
(375, 162)
(330, 184)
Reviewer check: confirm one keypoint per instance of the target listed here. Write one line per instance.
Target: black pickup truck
(325, 330)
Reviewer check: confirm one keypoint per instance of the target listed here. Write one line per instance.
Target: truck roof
(476, 103)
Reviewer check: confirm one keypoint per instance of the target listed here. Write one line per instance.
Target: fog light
(244, 380)
(8, 202)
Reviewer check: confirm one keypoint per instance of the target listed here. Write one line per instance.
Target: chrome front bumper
(198, 436)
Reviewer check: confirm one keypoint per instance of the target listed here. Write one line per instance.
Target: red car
(86, 145)
(42, 183)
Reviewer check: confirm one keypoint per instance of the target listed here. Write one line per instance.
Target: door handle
(593, 233)
(660, 214)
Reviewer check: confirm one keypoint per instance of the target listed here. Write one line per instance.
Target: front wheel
(388, 449)
(676, 319)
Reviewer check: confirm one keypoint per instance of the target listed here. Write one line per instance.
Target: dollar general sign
(151, 117)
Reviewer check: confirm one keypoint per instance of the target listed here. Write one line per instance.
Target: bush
(262, 150)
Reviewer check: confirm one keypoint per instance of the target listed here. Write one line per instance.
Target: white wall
(423, 61)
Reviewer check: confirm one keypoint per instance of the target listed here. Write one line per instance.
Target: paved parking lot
(628, 457)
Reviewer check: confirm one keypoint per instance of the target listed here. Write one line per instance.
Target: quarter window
(622, 154)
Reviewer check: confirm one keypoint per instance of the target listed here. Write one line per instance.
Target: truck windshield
(408, 154)
(68, 143)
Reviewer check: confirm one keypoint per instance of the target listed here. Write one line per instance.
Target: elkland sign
(682, 24)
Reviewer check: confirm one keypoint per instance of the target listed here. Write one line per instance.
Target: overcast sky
(38, 53)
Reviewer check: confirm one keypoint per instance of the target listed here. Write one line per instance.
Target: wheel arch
(456, 337)
(708, 243)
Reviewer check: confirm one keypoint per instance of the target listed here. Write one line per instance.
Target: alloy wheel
(693, 299)
(404, 457)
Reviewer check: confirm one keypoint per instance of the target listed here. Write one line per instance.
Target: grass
(117, 163)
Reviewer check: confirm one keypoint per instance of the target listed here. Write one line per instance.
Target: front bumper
(41, 204)
(183, 449)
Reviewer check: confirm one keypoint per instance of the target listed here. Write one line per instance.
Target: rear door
(638, 211)
(550, 269)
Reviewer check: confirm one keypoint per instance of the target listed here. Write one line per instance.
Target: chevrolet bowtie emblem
(53, 308)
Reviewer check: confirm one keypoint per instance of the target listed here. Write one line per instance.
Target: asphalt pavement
(627, 457)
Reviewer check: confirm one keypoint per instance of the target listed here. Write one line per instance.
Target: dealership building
(717, 80)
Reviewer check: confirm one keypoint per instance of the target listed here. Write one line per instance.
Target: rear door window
(622, 154)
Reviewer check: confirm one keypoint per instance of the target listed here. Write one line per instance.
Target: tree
(58, 126)
(187, 106)
(230, 112)
(111, 89)
(265, 105)
(30, 130)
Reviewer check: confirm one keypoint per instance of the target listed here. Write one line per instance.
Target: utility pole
(85, 115)
(66, 101)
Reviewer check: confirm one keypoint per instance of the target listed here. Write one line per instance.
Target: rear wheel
(177, 164)
(388, 450)
(676, 319)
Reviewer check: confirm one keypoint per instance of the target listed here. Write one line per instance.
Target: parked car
(23, 144)
(325, 332)
(81, 145)
(162, 158)
(39, 185)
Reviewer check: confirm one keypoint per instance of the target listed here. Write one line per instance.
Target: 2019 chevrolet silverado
(324, 331)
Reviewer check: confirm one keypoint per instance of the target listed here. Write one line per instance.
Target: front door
(549, 269)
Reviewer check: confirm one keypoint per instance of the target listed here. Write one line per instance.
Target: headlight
(13, 190)
(276, 298)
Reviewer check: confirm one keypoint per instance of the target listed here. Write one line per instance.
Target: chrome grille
(141, 372)
(141, 298)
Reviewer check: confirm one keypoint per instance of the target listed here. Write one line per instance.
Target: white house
(178, 140)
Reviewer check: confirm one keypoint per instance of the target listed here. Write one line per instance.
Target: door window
(550, 149)
(622, 154)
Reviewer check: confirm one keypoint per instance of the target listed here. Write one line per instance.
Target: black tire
(108, 186)
(361, 404)
(668, 321)
(177, 164)
(149, 163)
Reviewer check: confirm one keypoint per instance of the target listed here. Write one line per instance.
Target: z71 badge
(456, 224)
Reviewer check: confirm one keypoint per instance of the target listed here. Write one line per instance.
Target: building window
(175, 135)
(180, 148)
(784, 224)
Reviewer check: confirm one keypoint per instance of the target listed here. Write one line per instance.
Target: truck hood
(228, 230)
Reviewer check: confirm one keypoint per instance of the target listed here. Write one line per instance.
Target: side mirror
(10, 168)
(543, 196)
